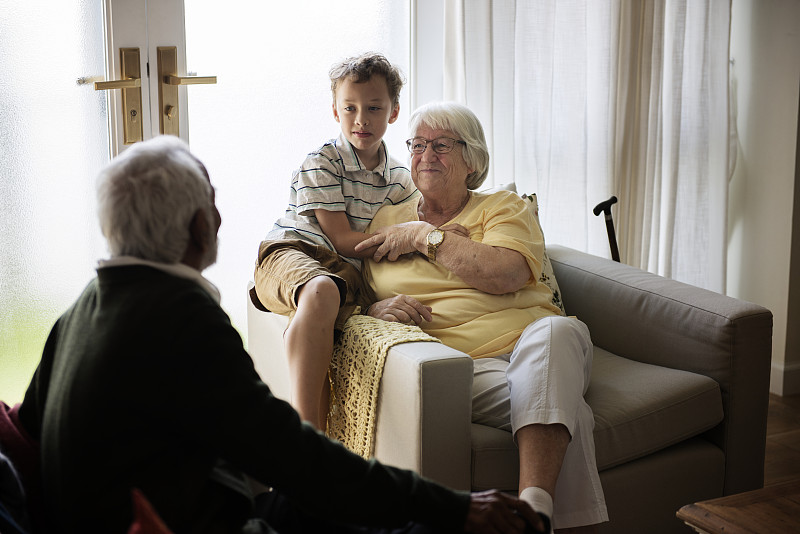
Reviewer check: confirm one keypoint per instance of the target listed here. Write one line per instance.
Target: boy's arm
(344, 239)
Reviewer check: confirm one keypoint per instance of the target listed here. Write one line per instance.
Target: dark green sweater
(144, 383)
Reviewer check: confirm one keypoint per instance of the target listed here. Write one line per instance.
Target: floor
(782, 462)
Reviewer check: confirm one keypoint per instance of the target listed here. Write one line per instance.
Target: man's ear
(395, 113)
(198, 242)
(335, 111)
(198, 228)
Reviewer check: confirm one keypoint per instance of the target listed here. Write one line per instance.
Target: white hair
(464, 124)
(147, 198)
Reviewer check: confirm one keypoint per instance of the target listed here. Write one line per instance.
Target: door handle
(118, 84)
(190, 80)
(131, 85)
(168, 82)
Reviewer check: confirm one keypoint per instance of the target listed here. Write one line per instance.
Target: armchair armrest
(425, 412)
(266, 348)
(652, 319)
(424, 401)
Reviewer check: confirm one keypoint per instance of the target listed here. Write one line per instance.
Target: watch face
(435, 237)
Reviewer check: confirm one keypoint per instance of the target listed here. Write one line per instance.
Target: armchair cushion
(650, 319)
(638, 409)
(641, 408)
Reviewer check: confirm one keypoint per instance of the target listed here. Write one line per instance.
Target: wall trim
(784, 380)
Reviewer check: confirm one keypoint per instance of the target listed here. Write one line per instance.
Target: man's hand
(400, 309)
(495, 512)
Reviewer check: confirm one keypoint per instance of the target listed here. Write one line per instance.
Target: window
(272, 105)
(53, 141)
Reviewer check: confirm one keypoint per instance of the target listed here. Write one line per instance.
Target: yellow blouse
(465, 318)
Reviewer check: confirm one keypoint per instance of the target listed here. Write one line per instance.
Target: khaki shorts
(284, 266)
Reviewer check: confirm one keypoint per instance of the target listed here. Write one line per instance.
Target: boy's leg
(318, 291)
(309, 346)
(295, 279)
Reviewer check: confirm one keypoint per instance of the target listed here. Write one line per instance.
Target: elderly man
(144, 384)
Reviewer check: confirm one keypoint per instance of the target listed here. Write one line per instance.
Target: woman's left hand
(457, 229)
(400, 309)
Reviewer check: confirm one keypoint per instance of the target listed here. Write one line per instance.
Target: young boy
(307, 266)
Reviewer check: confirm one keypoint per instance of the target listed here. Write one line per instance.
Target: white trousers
(543, 381)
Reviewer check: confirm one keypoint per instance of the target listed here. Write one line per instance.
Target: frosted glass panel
(53, 141)
(272, 105)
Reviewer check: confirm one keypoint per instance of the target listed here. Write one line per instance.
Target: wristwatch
(435, 238)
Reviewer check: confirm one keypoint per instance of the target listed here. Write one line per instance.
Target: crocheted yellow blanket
(355, 373)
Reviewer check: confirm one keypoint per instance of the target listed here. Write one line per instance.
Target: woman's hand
(400, 309)
(456, 229)
(396, 240)
(404, 238)
(495, 512)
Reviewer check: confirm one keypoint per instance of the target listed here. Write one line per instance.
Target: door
(145, 42)
(271, 105)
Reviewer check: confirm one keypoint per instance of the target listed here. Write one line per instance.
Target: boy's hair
(361, 68)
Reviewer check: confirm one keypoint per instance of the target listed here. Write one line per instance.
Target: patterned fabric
(356, 371)
(332, 178)
(547, 277)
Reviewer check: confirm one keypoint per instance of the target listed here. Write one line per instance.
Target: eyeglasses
(441, 145)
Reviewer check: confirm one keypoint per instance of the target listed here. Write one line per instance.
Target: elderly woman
(465, 266)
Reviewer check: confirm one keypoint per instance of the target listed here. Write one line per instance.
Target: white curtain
(584, 99)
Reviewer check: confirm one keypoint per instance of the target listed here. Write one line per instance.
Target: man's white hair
(147, 197)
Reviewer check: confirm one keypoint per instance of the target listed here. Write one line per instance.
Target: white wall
(765, 47)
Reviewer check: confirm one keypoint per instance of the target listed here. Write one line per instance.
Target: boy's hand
(400, 309)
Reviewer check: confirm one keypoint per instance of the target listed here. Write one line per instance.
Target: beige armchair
(679, 392)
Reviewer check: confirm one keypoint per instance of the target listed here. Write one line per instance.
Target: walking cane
(605, 206)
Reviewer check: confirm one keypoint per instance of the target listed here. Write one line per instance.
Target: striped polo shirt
(332, 178)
